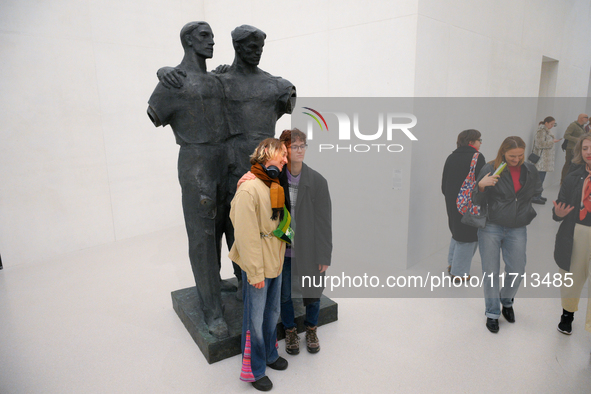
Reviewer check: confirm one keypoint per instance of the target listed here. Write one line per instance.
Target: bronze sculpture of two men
(217, 119)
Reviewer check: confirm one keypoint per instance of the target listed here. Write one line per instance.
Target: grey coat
(313, 233)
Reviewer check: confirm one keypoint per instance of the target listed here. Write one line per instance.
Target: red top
(515, 174)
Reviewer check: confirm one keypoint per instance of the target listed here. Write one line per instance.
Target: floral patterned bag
(470, 212)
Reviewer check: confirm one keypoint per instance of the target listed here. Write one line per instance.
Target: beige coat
(260, 256)
(544, 147)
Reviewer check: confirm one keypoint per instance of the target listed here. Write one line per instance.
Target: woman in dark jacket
(572, 250)
(508, 199)
(464, 239)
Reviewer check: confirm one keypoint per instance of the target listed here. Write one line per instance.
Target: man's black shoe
(280, 364)
(492, 325)
(543, 199)
(538, 201)
(263, 384)
(509, 314)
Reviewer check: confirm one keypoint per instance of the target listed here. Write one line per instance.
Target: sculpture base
(187, 305)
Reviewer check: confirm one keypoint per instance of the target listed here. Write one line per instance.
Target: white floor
(101, 321)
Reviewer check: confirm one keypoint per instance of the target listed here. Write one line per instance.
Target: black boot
(566, 322)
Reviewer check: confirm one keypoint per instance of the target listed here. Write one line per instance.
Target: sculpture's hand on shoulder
(221, 69)
(171, 77)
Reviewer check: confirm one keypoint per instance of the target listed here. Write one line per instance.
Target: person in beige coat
(257, 210)
(544, 147)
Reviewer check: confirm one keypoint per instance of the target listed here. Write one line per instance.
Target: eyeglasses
(480, 140)
(299, 148)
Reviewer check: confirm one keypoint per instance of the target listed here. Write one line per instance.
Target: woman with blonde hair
(257, 211)
(572, 250)
(505, 189)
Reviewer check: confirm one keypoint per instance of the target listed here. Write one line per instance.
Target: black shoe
(279, 365)
(538, 201)
(492, 325)
(543, 199)
(509, 314)
(263, 384)
(566, 322)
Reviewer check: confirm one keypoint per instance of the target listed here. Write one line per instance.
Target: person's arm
(444, 176)
(323, 225)
(247, 236)
(538, 183)
(561, 208)
(480, 163)
(568, 134)
(484, 181)
(246, 177)
(543, 140)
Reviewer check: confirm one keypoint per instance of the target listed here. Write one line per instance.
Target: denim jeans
(512, 241)
(287, 312)
(460, 257)
(259, 327)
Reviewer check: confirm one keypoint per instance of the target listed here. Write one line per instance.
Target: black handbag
(478, 221)
(564, 144)
(533, 158)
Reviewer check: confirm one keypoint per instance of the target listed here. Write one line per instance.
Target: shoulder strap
(471, 174)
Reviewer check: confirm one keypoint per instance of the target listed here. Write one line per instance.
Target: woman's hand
(488, 180)
(558, 140)
(246, 177)
(561, 209)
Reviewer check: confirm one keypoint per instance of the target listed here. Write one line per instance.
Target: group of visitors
(503, 191)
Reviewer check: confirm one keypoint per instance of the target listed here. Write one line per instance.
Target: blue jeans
(460, 257)
(259, 322)
(287, 312)
(512, 241)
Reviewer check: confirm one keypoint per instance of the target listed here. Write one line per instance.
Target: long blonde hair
(508, 144)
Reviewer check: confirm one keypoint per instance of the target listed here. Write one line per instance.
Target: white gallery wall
(82, 165)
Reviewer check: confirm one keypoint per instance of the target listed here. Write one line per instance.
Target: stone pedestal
(187, 306)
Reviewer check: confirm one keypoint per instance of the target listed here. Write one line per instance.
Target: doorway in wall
(547, 89)
(546, 103)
